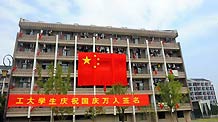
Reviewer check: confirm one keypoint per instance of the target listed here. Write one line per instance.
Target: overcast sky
(195, 20)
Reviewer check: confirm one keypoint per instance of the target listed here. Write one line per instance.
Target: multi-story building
(4, 78)
(151, 55)
(202, 89)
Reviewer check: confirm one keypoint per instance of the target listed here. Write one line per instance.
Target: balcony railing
(160, 74)
(48, 39)
(22, 72)
(21, 91)
(173, 59)
(157, 59)
(105, 42)
(171, 46)
(140, 75)
(120, 43)
(27, 38)
(66, 42)
(181, 74)
(46, 111)
(24, 55)
(182, 106)
(85, 41)
(139, 60)
(32, 38)
(154, 45)
(47, 56)
(143, 91)
(12, 112)
(65, 58)
(132, 45)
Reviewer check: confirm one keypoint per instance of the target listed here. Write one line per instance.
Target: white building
(202, 89)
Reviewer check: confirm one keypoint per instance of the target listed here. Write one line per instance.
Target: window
(180, 114)
(161, 115)
(67, 37)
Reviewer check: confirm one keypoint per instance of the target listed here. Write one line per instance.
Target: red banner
(18, 100)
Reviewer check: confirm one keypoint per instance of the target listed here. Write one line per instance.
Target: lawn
(206, 120)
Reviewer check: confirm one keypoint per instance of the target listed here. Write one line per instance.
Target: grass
(206, 120)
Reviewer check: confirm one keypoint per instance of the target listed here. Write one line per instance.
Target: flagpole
(152, 82)
(94, 51)
(55, 66)
(33, 72)
(164, 58)
(130, 74)
(94, 87)
(74, 77)
(111, 40)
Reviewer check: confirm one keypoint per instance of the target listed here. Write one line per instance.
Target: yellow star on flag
(86, 60)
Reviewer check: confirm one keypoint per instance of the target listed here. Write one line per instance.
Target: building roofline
(26, 24)
(199, 79)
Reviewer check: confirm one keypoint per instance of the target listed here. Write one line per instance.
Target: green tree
(118, 89)
(57, 83)
(93, 112)
(149, 112)
(170, 93)
(214, 109)
(2, 105)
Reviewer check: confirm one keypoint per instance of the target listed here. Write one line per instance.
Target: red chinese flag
(101, 69)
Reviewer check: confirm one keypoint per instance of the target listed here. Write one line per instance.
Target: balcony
(105, 42)
(17, 112)
(154, 45)
(22, 72)
(43, 111)
(173, 59)
(27, 38)
(66, 42)
(157, 59)
(28, 73)
(24, 55)
(160, 74)
(120, 43)
(139, 60)
(181, 74)
(48, 39)
(21, 91)
(171, 45)
(32, 38)
(140, 75)
(46, 56)
(143, 92)
(85, 41)
(65, 58)
(133, 45)
(182, 107)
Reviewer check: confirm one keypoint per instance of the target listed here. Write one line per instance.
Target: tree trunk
(172, 120)
(176, 116)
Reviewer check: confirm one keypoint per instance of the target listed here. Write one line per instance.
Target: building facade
(4, 78)
(150, 55)
(202, 89)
